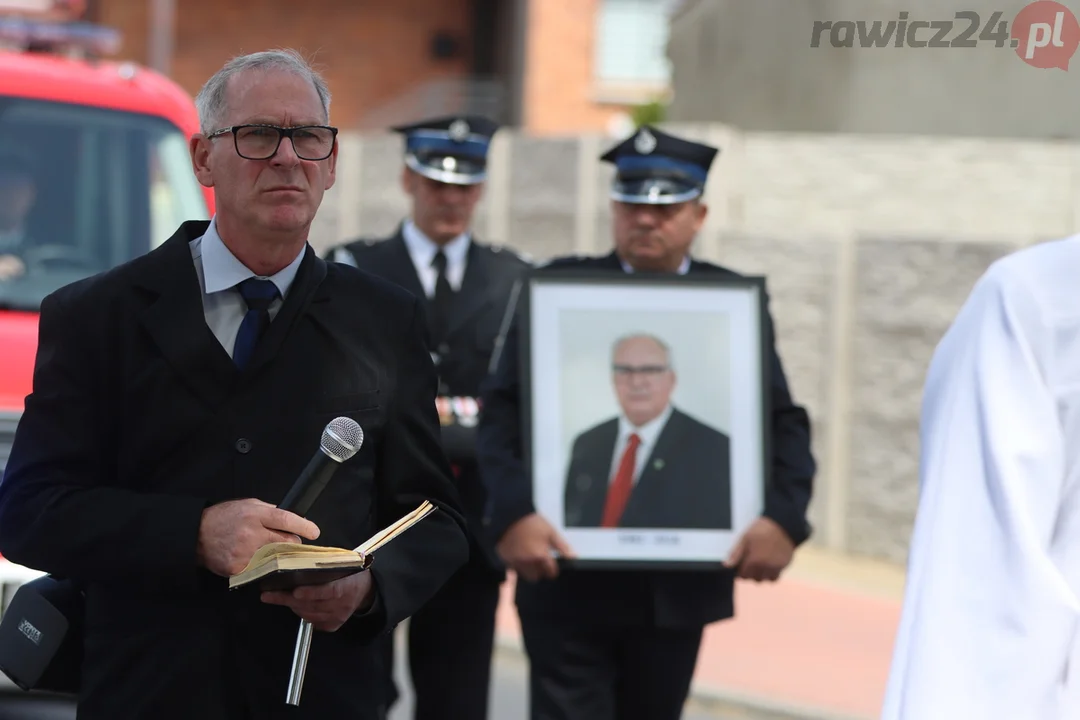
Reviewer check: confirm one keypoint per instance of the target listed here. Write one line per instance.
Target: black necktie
(440, 304)
(258, 294)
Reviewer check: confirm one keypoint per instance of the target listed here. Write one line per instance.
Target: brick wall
(370, 52)
(869, 245)
(560, 94)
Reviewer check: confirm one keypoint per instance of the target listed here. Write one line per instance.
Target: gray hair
(642, 336)
(210, 101)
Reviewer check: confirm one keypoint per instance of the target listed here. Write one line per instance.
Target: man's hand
(11, 267)
(327, 607)
(762, 552)
(232, 531)
(526, 547)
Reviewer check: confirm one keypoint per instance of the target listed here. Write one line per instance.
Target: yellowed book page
(388, 534)
(284, 550)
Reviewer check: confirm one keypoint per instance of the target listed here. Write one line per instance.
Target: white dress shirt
(219, 273)
(422, 251)
(647, 434)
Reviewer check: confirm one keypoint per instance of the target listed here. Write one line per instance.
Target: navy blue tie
(258, 294)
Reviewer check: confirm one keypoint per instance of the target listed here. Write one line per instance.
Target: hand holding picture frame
(645, 413)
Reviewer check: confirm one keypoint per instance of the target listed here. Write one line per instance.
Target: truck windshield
(82, 190)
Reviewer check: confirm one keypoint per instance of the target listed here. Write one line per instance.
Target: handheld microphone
(341, 439)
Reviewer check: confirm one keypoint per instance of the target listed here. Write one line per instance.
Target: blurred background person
(623, 644)
(467, 286)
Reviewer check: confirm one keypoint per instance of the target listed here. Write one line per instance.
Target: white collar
(222, 270)
(648, 432)
(423, 249)
(684, 267)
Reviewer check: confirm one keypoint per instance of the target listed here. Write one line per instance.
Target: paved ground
(817, 644)
(508, 696)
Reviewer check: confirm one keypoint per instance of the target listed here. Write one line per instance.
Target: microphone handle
(311, 482)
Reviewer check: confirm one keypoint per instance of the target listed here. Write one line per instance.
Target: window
(107, 186)
(631, 42)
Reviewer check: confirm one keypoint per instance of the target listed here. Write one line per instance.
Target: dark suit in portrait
(683, 482)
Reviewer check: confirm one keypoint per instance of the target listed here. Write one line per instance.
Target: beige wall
(751, 64)
(869, 246)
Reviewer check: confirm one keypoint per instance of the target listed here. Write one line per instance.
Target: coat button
(243, 445)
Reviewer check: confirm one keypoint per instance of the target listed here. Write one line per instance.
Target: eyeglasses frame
(283, 132)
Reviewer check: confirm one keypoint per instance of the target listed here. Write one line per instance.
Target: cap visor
(663, 191)
(466, 173)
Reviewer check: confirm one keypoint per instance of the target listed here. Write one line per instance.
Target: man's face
(16, 198)
(643, 379)
(279, 195)
(656, 238)
(441, 210)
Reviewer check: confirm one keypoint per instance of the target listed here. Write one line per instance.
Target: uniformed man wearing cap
(622, 645)
(468, 285)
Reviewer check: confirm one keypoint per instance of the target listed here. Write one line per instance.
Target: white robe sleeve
(988, 620)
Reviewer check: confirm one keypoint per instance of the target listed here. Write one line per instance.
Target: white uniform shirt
(422, 251)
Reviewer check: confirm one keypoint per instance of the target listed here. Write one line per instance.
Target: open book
(283, 566)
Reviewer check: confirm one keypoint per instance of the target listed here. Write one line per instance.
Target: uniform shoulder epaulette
(507, 253)
(366, 241)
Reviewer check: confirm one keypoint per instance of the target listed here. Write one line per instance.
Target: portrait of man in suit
(652, 466)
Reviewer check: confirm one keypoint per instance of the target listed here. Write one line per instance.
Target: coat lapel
(309, 276)
(468, 301)
(474, 294)
(175, 322)
(653, 484)
(596, 478)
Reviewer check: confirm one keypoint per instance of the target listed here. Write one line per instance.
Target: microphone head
(342, 438)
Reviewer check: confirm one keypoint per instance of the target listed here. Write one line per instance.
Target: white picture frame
(682, 357)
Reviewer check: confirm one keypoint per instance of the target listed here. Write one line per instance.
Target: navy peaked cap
(451, 149)
(656, 168)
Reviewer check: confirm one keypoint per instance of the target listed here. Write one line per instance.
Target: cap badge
(459, 130)
(645, 142)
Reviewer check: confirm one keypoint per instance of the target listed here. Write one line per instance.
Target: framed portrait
(645, 403)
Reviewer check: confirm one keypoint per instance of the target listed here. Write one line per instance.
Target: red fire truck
(94, 170)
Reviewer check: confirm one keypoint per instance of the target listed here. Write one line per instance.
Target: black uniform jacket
(476, 315)
(139, 420)
(668, 598)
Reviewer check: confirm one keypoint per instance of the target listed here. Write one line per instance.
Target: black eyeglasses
(261, 142)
